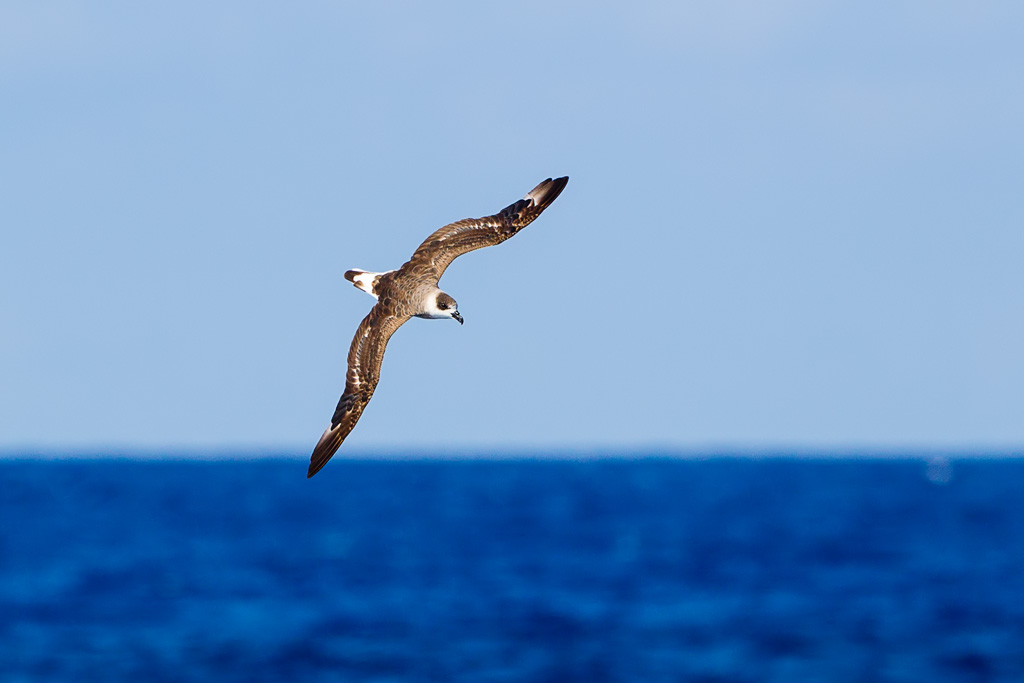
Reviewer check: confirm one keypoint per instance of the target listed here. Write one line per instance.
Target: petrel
(413, 290)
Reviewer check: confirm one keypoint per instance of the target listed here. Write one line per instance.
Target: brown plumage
(412, 291)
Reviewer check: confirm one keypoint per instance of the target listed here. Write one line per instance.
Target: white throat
(430, 309)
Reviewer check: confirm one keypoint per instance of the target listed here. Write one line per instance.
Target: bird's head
(447, 307)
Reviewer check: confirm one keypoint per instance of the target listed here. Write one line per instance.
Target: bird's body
(413, 291)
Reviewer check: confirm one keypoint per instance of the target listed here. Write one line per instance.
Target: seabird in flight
(412, 291)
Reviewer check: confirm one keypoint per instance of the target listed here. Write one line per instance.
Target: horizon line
(561, 452)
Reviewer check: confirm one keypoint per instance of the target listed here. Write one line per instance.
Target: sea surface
(650, 569)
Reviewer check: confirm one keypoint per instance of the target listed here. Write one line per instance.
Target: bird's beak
(457, 316)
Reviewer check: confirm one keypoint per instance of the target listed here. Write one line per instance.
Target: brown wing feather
(455, 239)
(364, 359)
(430, 258)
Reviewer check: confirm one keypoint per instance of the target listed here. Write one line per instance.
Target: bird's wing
(364, 359)
(455, 239)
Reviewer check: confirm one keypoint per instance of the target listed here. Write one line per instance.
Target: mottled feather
(364, 360)
(455, 239)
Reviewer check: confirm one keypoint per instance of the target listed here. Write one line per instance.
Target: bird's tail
(365, 280)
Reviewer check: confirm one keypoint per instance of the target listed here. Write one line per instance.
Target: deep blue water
(644, 570)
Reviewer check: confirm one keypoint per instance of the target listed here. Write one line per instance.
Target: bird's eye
(443, 306)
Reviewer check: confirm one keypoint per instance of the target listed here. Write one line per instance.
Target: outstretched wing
(364, 359)
(455, 239)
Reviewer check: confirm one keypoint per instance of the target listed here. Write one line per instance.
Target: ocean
(648, 569)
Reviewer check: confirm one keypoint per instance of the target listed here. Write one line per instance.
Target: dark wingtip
(316, 464)
(551, 188)
(559, 185)
(324, 450)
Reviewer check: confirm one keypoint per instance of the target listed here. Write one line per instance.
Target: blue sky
(790, 224)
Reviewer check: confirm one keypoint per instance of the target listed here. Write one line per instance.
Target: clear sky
(788, 224)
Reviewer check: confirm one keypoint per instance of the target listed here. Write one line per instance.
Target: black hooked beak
(457, 316)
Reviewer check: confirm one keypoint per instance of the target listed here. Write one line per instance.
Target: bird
(413, 291)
